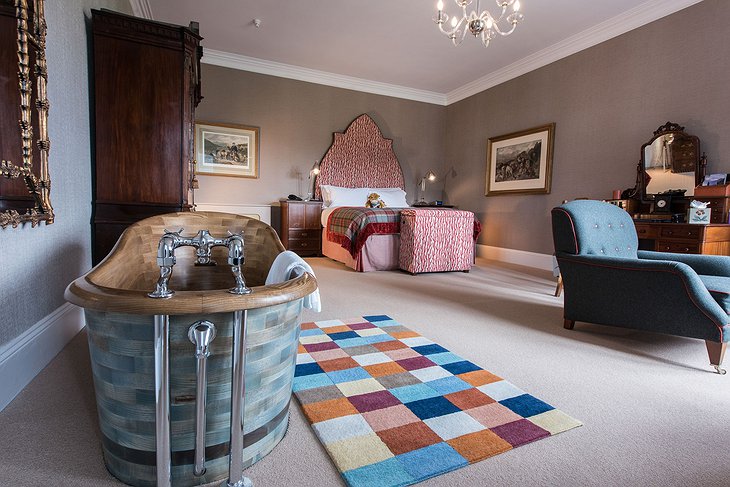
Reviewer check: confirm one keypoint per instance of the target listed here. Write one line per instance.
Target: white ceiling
(392, 46)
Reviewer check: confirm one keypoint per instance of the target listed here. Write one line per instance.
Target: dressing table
(670, 161)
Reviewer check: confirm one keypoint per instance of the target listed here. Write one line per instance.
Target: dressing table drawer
(680, 232)
(677, 247)
(644, 230)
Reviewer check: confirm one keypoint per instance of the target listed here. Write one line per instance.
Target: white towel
(289, 265)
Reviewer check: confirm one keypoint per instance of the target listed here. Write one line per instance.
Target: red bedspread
(351, 226)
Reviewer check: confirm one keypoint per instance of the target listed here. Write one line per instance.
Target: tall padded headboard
(360, 158)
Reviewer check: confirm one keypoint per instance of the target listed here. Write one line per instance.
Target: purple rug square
(520, 432)
(318, 347)
(361, 326)
(415, 363)
(374, 400)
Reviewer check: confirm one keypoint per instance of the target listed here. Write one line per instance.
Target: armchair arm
(709, 265)
(655, 295)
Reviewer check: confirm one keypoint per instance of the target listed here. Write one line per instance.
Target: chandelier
(483, 25)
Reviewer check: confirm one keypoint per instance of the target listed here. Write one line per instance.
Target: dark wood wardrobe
(146, 86)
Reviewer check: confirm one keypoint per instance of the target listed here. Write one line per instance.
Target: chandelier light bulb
(482, 24)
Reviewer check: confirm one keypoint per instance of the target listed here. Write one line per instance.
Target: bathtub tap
(203, 242)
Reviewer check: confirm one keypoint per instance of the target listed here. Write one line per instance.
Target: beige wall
(297, 120)
(606, 101)
(38, 263)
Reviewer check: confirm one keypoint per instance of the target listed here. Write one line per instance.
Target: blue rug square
(445, 358)
(387, 472)
(432, 460)
(462, 367)
(447, 385)
(429, 349)
(352, 342)
(526, 405)
(414, 392)
(311, 382)
(348, 375)
(312, 332)
(343, 335)
(307, 369)
(378, 338)
(375, 318)
(432, 407)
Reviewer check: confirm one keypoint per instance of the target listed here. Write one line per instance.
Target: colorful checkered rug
(393, 408)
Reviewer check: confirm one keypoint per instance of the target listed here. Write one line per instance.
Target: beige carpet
(654, 413)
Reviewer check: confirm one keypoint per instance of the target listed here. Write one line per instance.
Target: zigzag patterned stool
(437, 240)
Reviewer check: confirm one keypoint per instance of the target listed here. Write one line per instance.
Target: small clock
(662, 203)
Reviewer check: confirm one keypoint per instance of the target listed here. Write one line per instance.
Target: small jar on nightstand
(301, 226)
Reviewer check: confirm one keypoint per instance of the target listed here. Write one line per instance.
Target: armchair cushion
(719, 288)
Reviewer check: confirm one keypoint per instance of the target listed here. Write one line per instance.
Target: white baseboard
(24, 357)
(262, 212)
(520, 257)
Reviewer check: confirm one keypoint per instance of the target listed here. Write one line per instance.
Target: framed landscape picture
(227, 150)
(521, 162)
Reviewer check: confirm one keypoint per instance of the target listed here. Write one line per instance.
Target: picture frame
(521, 162)
(223, 149)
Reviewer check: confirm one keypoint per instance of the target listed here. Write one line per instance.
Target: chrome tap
(203, 242)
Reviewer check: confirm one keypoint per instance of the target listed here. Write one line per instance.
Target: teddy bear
(374, 201)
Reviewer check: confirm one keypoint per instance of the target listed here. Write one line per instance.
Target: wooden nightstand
(301, 226)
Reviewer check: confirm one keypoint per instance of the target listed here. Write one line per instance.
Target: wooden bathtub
(121, 328)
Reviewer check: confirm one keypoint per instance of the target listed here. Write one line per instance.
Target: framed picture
(226, 150)
(521, 162)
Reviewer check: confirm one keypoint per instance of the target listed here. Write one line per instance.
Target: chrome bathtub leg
(162, 400)
(201, 333)
(238, 390)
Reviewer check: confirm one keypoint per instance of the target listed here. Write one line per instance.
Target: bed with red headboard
(361, 157)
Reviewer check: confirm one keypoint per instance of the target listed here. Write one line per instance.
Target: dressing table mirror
(25, 183)
(670, 165)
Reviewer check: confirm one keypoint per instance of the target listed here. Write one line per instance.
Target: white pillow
(392, 197)
(346, 196)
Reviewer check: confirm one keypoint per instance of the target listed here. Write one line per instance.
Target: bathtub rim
(83, 292)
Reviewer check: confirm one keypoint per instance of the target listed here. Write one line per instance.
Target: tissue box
(699, 216)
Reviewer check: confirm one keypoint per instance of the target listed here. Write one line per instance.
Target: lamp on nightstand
(312, 178)
(431, 177)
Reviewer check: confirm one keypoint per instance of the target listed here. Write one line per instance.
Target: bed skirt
(380, 253)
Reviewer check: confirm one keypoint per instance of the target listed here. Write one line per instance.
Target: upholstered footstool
(436, 240)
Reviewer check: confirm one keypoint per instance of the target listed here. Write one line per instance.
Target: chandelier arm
(506, 32)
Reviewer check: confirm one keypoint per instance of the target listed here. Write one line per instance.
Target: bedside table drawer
(296, 234)
(677, 247)
(304, 245)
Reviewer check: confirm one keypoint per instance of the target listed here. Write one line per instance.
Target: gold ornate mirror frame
(31, 34)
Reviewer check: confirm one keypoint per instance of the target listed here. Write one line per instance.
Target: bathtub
(145, 367)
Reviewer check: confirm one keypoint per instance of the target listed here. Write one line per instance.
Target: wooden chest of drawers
(301, 228)
(713, 239)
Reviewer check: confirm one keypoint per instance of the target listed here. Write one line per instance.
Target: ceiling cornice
(642, 14)
(141, 8)
(636, 17)
(262, 66)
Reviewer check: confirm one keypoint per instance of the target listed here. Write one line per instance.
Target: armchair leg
(559, 286)
(716, 351)
(569, 324)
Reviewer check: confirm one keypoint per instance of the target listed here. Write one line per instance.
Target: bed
(361, 158)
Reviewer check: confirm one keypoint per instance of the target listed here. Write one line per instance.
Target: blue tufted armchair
(608, 281)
